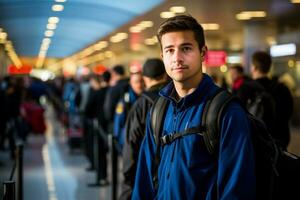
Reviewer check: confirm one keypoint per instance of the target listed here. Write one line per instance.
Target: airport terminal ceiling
(84, 23)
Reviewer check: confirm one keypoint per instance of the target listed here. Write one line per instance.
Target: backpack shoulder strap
(211, 118)
(157, 114)
(150, 96)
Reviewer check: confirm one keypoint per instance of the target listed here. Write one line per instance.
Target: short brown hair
(182, 23)
(239, 68)
(262, 61)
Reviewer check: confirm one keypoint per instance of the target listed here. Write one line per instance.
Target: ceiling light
(135, 29)
(87, 52)
(103, 44)
(42, 53)
(51, 26)
(246, 15)
(295, 1)
(108, 54)
(57, 8)
(49, 33)
(167, 14)
(177, 9)
(46, 41)
(44, 47)
(118, 37)
(3, 36)
(210, 26)
(53, 20)
(122, 35)
(115, 40)
(149, 41)
(146, 24)
(257, 13)
(241, 16)
(100, 45)
(60, 1)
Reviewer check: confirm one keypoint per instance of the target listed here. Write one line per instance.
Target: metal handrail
(10, 187)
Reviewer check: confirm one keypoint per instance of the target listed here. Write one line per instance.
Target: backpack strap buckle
(166, 139)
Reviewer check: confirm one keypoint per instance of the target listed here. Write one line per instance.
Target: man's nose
(177, 56)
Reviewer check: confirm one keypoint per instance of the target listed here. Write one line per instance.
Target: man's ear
(161, 55)
(203, 51)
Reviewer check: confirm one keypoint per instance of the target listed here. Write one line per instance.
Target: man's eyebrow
(166, 47)
(186, 44)
(183, 44)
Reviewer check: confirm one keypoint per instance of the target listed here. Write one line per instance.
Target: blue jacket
(122, 110)
(187, 170)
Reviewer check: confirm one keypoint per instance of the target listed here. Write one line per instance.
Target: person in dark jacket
(186, 169)
(98, 126)
(114, 93)
(136, 87)
(154, 76)
(260, 69)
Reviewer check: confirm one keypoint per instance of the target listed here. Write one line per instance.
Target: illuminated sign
(99, 69)
(23, 69)
(283, 50)
(215, 58)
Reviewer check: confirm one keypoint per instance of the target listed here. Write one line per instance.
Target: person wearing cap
(154, 76)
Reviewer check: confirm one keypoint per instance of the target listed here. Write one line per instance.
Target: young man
(186, 170)
(154, 75)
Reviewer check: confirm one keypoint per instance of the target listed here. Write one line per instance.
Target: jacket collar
(205, 88)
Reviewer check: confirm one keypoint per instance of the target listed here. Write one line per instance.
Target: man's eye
(185, 49)
(169, 51)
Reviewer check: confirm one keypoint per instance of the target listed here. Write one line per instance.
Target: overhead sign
(215, 58)
(23, 69)
(99, 69)
(283, 50)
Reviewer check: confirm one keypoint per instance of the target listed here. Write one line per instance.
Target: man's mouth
(179, 68)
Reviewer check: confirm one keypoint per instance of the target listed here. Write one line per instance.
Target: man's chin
(179, 79)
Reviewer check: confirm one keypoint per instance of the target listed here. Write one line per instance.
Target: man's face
(137, 83)
(181, 56)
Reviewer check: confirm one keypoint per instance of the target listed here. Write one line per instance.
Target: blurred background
(47, 44)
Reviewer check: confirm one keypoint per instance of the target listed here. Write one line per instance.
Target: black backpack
(274, 167)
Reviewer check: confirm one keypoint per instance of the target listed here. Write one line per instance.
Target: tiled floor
(51, 171)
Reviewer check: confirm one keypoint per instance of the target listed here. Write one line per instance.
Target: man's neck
(153, 83)
(259, 75)
(187, 87)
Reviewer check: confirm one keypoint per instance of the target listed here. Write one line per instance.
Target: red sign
(23, 69)
(215, 58)
(99, 69)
